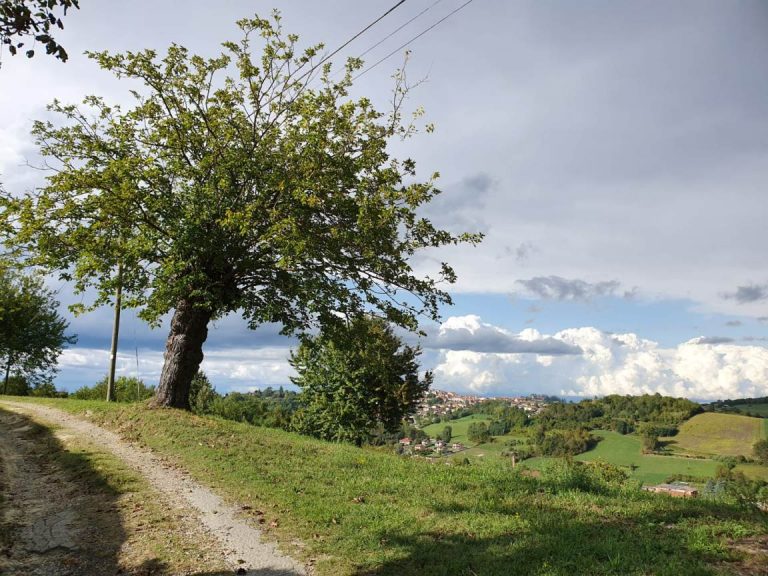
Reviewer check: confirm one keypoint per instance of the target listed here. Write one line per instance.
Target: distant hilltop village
(442, 403)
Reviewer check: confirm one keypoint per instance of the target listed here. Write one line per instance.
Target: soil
(53, 525)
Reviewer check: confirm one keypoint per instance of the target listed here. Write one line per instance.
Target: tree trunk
(7, 374)
(115, 335)
(183, 355)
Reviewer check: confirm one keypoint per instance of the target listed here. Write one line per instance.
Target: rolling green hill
(758, 408)
(367, 512)
(721, 434)
(648, 468)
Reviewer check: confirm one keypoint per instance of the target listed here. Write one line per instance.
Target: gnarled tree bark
(183, 355)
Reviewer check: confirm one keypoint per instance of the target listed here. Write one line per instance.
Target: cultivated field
(721, 434)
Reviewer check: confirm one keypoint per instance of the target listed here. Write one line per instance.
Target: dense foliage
(127, 389)
(568, 442)
(232, 185)
(268, 407)
(18, 385)
(354, 379)
(32, 333)
(621, 413)
(36, 19)
(478, 433)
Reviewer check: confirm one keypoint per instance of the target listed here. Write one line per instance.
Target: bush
(566, 442)
(238, 407)
(18, 386)
(127, 389)
(594, 477)
(760, 451)
(46, 389)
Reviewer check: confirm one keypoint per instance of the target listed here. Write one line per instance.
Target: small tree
(650, 440)
(478, 432)
(201, 394)
(446, 434)
(231, 185)
(32, 334)
(354, 378)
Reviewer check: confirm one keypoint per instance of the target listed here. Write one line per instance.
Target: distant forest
(746, 406)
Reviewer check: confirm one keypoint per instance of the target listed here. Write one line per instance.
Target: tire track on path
(241, 543)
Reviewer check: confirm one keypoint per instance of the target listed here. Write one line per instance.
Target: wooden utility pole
(115, 335)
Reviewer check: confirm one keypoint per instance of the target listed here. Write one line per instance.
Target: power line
(396, 30)
(348, 42)
(419, 35)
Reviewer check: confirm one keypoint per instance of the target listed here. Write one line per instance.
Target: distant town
(442, 403)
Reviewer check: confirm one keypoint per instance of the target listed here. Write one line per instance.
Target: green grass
(650, 468)
(458, 428)
(714, 433)
(761, 408)
(363, 512)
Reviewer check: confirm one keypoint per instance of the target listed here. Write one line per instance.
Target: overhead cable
(355, 37)
(419, 35)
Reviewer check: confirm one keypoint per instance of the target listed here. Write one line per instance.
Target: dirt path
(50, 522)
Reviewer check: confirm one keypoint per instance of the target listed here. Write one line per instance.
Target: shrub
(238, 407)
(760, 451)
(595, 477)
(127, 389)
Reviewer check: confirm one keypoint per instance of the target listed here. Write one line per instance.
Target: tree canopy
(355, 379)
(234, 183)
(32, 333)
(35, 19)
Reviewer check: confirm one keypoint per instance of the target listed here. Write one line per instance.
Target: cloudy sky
(615, 154)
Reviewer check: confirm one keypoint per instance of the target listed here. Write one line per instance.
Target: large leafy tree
(233, 183)
(354, 379)
(32, 333)
(36, 20)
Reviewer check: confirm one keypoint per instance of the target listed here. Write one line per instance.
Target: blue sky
(614, 154)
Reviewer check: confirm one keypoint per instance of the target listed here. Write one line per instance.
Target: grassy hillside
(761, 408)
(365, 512)
(649, 469)
(458, 427)
(718, 434)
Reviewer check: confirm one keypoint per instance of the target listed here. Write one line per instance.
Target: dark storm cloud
(712, 340)
(557, 288)
(748, 294)
(459, 206)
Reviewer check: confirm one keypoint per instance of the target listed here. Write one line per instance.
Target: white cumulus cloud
(607, 364)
